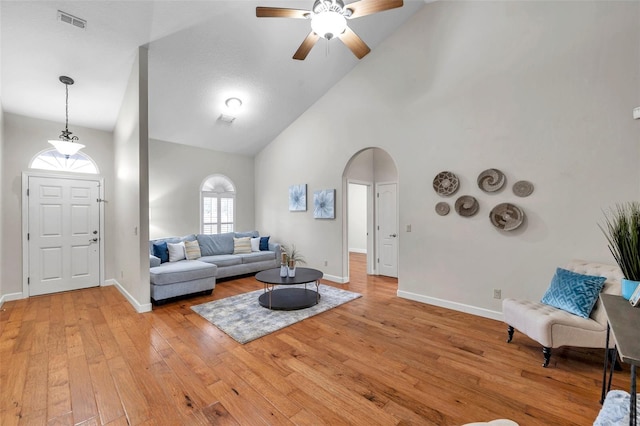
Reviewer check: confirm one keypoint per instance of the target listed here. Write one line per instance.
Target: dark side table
(289, 299)
(623, 322)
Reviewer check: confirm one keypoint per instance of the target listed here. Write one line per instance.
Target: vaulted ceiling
(200, 54)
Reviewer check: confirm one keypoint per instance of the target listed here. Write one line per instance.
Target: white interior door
(387, 228)
(63, 234)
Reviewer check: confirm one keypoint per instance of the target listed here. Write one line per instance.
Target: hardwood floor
(86, 357)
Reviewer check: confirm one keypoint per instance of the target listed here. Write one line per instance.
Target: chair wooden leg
(510, 332)
(547, 356)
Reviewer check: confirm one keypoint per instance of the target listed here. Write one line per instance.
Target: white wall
(131, 147)
(541, 90)
(357, 200)
(176, 173)
(24, 137)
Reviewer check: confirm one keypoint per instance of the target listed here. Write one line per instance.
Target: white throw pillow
(176, 251)
(255, 244)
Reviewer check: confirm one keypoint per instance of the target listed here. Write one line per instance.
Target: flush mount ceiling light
(233, 103)
(329, 21)
(66, 144)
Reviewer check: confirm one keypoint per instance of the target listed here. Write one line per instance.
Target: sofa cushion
(573, 292)
(154, 261)
(192, 250)
(258, 256)
(215, 244)
(222, 259)
(185, 270)
(161, 251)
(242, 245)
(264, 243)
(251, 234)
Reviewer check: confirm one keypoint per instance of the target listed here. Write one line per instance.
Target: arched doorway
(370, 182)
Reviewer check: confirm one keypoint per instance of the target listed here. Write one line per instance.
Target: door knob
(393, 235)
(94, 240)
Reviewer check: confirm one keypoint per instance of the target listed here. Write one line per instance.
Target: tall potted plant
(622, 229)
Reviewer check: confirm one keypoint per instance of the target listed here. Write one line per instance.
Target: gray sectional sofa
(214, 256)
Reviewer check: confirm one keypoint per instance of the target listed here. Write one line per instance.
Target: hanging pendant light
(66, 144)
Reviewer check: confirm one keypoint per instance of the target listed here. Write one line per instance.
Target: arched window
(218, 199)
(50, 159)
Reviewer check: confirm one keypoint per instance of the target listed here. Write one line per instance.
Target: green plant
(622, 229)
(293, 254)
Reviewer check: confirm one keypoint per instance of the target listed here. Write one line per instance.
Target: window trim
(218, 195)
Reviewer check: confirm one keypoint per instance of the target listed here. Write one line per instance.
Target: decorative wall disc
(442, 208)
(506, 216)
(491, 180)
(523, 188)
(467, 206)
(446, 183)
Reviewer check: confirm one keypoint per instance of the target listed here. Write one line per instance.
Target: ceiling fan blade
(367, 7)
(306, 46)
(279, 12)
(355, 43)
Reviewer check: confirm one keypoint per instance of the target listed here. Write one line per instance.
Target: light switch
(408, 228)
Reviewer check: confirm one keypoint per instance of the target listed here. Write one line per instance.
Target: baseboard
(9, 297)
(333, 278)
(460, 307)
(358, 250)
(140, 308)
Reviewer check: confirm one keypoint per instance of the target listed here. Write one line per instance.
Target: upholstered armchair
(553, 327)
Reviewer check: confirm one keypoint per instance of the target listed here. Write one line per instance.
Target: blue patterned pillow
(573, 292)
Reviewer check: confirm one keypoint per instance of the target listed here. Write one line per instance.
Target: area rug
(242, 317)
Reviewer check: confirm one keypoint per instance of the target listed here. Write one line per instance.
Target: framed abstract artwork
(298, 198)
(324, 204)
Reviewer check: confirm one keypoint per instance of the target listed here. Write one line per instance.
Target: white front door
(387, 214)
(63, 234)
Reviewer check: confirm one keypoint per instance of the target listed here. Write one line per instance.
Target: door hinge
(28, 236)
(378, 227)
(27, 192)
(378, 260)
(378, 195)
(28, 280)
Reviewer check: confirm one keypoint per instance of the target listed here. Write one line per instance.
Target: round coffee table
(289, 299)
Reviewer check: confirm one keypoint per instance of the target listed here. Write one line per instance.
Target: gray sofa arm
(154, 261)
(277, 249)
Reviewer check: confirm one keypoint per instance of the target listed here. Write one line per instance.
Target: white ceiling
(200, 54)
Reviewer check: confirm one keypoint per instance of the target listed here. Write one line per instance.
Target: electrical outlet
(497, 293)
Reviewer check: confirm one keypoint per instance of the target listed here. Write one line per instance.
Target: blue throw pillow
(573, 292)
(161, 251)
(264, 244)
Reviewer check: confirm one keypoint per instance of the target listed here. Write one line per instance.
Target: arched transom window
(218, 198)
(50, 159)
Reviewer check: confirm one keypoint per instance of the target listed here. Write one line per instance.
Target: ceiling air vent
(72, 20)
(228, 119)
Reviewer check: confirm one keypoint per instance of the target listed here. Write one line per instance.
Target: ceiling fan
(329, 20)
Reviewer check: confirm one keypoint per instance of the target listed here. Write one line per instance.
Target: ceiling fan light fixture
(66, 144)
(328, 24)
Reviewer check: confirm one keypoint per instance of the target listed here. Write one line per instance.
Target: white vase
(292, 272)
(283, 271)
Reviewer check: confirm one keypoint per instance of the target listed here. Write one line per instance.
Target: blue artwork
(298, 198)
(324, 204)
